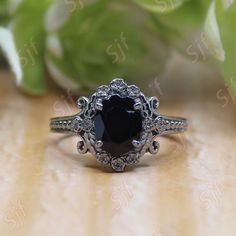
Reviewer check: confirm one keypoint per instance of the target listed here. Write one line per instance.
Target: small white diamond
(102, 91)
(103, 158)
(148, 124)
(87, 124)
(133, 91)
(76, 124)
(118, 85)
(118, 164)
(160, 124)
(132, 158)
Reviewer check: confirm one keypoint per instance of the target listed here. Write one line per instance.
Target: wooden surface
(46, 189)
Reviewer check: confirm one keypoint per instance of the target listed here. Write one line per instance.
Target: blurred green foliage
(30, 39)
(4, 14)
(86, 43)
(226, 18)
(97, 47)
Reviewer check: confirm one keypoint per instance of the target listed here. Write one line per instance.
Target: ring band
(118, 124)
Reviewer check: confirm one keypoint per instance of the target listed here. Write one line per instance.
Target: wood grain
(47, 189)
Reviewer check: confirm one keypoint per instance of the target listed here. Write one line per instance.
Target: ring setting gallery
(118, 124)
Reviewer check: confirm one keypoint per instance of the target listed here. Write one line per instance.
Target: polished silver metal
(153, 125)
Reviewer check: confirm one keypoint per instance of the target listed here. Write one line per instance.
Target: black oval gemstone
(117, 125)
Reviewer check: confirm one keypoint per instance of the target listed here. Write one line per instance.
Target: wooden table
(46, 189)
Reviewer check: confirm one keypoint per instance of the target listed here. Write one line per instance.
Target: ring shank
(62, 124)
(172, 125)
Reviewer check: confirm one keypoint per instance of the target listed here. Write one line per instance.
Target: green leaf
(104, 40)
(212, 34)
(221, 35)
(29, 35)
(180, 28)
(4, 12)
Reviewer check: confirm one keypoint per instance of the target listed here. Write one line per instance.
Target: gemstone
(103, 158)
(118, 164)
(117, 125)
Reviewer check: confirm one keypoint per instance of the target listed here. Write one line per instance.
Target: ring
(118, 124)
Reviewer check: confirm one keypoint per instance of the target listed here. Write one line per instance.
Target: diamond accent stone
(118, 164)
(103, 158)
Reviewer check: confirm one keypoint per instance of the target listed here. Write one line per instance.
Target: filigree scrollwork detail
(131, 107)
(153, 124)
(154, 102)
(82, 147)
(154, 147)
(82, 103)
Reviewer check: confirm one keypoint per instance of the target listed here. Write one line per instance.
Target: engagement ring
(118, 124)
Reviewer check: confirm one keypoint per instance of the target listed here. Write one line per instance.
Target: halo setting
(118, 124)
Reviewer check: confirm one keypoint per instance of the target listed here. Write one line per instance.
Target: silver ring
(118, 124)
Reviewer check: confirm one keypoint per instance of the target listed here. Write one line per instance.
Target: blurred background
(182, 51)
(80, 44)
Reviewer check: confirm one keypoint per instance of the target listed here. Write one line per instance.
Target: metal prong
(118, 80)
(99, 144)
(137, 106)
(136, 144)
(98, 105)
